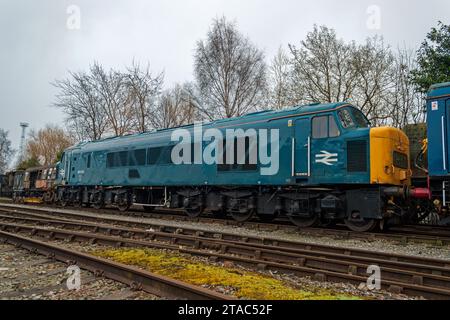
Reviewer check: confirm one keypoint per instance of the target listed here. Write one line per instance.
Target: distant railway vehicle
(34, 185)
(5, 185)
(332, 167)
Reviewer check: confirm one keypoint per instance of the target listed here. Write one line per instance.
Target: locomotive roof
(438, 90)
(266, 115)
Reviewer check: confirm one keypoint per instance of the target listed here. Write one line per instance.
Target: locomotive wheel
(98, 205)
(98, 202)
(362, 226)
(304, 222)
(194, 212)
(48, 197)
(123, 207)
(77, 203)
(64, 203)
(122, 203)
(240, 216)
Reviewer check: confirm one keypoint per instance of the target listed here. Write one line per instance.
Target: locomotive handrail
(443, 144)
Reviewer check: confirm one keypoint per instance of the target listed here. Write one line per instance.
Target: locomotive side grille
(357, 156)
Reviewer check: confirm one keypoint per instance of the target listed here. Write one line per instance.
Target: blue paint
(327, 164)
(438, 128)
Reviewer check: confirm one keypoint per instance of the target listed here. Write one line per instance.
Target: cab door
(301, 148)
(76, 169)
(65, 173)
(326, 149)
(445, 125)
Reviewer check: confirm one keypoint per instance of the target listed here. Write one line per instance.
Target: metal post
(24, 126)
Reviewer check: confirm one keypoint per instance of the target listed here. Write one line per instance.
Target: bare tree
(47, 143)
(83, 106)
(323, 67)
(178, 106)
(101, 102)
(144, 90)
(280, 73)
(326, 69)
(117, 100)
(404, 100)
(6, 151)
(230, 72)
(374, 63)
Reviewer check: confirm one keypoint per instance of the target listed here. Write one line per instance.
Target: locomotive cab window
(346, 118)
(360, 119)
(324, 127)
(352, 118)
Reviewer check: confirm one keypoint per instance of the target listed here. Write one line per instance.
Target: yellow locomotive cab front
(389, 157)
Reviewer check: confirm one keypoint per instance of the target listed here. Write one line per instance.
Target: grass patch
(244, 284)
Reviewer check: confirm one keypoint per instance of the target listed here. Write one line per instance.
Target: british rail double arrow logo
(326, 158)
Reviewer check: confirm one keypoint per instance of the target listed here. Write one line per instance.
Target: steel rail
(136, 278)
(277, 244)
(408, 282)
(440, 267)
(143, 229)
(397, 234)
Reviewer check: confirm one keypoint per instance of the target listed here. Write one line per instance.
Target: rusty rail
(132, 276)
(397, 277)
(164, 233)
(399, 234)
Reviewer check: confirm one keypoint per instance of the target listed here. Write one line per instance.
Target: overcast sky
(37, 46)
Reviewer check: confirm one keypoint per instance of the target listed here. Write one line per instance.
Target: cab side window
(320, 127)
(324, 127)
(346, 118)
(333, 130)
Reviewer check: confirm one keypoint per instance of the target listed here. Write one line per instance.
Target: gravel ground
(27, 276)
(441, 252)
(424, 250)
(304, 283)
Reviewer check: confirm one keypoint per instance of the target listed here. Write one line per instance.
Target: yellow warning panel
(32, 200)
(389, 157)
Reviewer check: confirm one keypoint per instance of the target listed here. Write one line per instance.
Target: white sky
(36, 47)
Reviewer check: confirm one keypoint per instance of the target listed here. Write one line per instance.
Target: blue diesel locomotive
(437, 148)
(315, 164)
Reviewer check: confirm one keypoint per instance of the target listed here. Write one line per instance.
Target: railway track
(417, 276)
(134, 277)
(439, 236)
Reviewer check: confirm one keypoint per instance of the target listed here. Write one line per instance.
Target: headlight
(388, 170)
